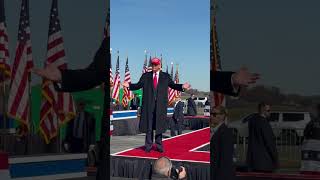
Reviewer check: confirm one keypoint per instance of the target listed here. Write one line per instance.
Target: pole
(29, 141)
(2, 83)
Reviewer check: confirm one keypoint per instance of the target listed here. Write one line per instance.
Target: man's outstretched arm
(80, 79)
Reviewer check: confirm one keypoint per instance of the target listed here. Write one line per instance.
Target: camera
(175, 171)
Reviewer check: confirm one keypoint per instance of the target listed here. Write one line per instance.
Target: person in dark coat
(221, 146)
(135, 102)
(262, 153)
(311, 145)
(97, 73)
(81, 130)
(191, 107)
(177, 118)
(155, 102)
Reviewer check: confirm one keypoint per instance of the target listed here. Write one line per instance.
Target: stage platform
(48, 167)
(189, 150)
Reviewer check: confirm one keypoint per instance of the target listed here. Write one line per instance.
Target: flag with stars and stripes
(171, 92)
(145, 65)
(116, 88)
(111, 77)
(149, 68)
(218, 98)
(4, 47)
(57, 108)
(127, 94)
(176, 80)
(19, 97)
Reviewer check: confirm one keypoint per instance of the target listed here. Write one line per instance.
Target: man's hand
(125, 84)
(183, 173)
(51, 72)
(186, 86)
(244, 78)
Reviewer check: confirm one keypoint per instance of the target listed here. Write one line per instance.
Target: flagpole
(110, 93)
(30, 115)
(3, 96)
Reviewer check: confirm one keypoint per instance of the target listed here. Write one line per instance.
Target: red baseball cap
(156, 61)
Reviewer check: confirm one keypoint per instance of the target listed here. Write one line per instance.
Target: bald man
(162, 169)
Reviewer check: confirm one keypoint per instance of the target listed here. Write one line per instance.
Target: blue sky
(177, 29)
(82, 25)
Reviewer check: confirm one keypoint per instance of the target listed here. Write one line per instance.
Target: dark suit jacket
(89, 129)
(221, 147)
(135, 104)
(155, 98)
(262, 153)
(191, 107)
(220, 81)
(178, 111)
(83, 79)
(312, 130)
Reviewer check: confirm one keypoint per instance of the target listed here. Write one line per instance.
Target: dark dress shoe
(147, 150)
(160, 150)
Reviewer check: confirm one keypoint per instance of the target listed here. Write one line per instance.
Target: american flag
(176, 80)
(218, 98)
(127, 94)
(111, 77)
(171, 92)
(116, 88)
(19, 102)
(4, 47)
(149, 68)
(145, 66)
(57, 107)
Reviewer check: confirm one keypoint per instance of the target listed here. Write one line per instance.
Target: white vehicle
(200, 101)
(285, 125)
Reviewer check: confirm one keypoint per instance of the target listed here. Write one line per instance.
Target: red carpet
(179, 148)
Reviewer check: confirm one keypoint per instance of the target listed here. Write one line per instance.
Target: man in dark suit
(135, 102)
(81, 130)
(95, 74)
(310, 150)
(262, 153)
(154, 102)
(221, 146)
(177, 118)
(191, 107)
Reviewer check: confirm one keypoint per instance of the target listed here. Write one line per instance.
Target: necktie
(155, 81)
